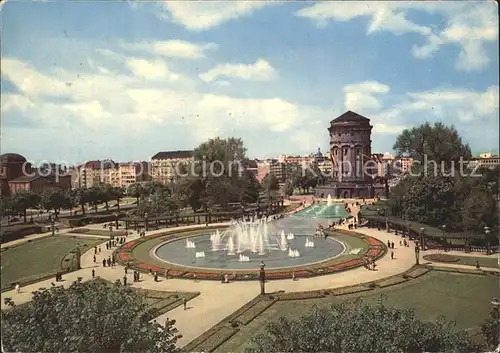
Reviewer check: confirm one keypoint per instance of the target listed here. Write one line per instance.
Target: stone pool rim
(153, 251)
(376, 249)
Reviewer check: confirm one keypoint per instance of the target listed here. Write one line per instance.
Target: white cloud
(383, 16)
(360, 96)
(105, 100)
(261, 70)
(222, 83)
(203, 15)
(172, 48)
(468, 25)
(152, 70)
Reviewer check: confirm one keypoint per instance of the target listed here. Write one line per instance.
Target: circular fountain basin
(175, 252)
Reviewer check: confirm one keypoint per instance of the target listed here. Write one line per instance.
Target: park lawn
(471, 261)
(462, 298)
(38, 258)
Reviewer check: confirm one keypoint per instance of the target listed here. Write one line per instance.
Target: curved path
(218, 300)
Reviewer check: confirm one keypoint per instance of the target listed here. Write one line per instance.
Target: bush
(18, 231)
(441, 258)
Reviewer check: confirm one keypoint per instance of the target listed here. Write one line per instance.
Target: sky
(124, 80)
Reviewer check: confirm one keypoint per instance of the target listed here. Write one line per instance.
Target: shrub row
(18, 231)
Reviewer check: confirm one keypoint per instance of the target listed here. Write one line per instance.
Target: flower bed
(301, 295)
(374, 252)
(124, 256)
(441, 258)
(146, 267)
(129, 245)
(373, 241)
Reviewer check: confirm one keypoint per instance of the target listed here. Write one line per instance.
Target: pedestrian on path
(126, 269)
(477, 265)
(95, 249)
(95, 259)
(184, 302)
(103, 262)
(18, 289)
(99, 249)
(109, 261)
(392, 255)
(93, 273)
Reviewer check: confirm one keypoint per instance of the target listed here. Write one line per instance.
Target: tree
(80, 197)
(135, 190)
(250, 187)
(270, 184)
(288, 188)
(54, 199)
(478, 211)
(106, 194)
(23, 200)
(219, 163)
(357, 327)
(117, 194)
(491, 328)
(87, 317)
(94, 196)
(438, 142)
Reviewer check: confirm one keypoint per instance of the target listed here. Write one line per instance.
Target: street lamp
(116, 220)
(146, 221)
(443, 229)
(262, 278)
(487, 232)
(417, 255)
(422, 234)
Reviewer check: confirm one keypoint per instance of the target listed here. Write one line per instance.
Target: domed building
(353, 172)
(12, 166)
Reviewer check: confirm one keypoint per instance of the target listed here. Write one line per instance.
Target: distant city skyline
(78, 84)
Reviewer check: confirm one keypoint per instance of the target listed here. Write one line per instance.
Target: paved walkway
(218, 300)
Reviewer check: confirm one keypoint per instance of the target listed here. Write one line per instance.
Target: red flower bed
(374, 252)
(129, 245)
(345, 265)
(373, 241)
(147, 267)
(202, 275)
(176, 273)
(123, 256)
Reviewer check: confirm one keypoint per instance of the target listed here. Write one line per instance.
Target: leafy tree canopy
(87, 317)
(356, 327)
(438, 142)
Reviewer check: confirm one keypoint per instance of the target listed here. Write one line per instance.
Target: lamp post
(422, 235)
(78, 256)
(262, 278)
(146, 221)
(496, 308)
(53, 227)
(487, 232)
(417, 255)
(116, 220)
(443, 229)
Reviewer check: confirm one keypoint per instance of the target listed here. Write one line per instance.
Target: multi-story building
(263, 168)
(325, 165)
(133, 172)
(404, 164)
(38, 183)
(297, 160)
(485, 160)
(166, 165)
(92, 173)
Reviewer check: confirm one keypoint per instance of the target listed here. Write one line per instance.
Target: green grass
(462, 298)
(38, 258)
(471, 261)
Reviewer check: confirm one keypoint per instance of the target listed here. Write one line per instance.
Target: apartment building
(95, 173)
(486, 160)
(298, 160)
(165, 165)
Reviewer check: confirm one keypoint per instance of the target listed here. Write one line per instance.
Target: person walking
(95, 259)
(392, 255)
(18, 290)
(184, 302)
(93, 273)
(103, 262)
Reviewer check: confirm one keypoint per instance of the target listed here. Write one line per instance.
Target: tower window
(345, 150)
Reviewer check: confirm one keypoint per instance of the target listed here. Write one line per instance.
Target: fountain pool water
(243, 258)
(285, 242)
(309, 243)
(190, 244)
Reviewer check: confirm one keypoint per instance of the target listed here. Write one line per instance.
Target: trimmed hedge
(18, 231)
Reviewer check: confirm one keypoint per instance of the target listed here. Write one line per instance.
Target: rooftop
(173, 155)
(350, 116)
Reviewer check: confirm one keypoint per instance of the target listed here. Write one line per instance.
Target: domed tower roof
(12, 158)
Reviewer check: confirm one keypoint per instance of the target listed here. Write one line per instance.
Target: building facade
(12, 166)
(354, 170)
(485, 160)
(39, 183)
(165, 166)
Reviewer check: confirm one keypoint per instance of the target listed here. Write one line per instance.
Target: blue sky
(124, 80)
